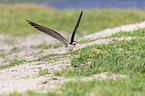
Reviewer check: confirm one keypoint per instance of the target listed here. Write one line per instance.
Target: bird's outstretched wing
(76, 27)
(50, 32)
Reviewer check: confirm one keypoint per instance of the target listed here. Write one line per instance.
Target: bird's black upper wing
(77, 25)
(50, 32)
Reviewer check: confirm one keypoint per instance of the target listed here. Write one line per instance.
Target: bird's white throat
(69, 48)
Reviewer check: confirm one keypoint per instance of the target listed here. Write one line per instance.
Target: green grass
(14, 63)
(13, 19)
(121, 87)
(123, 57)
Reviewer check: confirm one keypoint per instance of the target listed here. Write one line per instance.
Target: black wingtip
(28, 21)
(31, 23)
(81, 12)
(77, 25)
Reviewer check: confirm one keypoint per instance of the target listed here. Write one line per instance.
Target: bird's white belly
(70, 48)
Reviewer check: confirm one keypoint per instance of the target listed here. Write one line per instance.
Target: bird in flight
(68, 46)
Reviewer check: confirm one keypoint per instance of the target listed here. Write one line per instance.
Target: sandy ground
(23, 77)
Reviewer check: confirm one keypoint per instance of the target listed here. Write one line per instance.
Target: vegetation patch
(123, 57)
(13, 19)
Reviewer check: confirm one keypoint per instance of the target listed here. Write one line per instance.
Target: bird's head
(74, 43)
